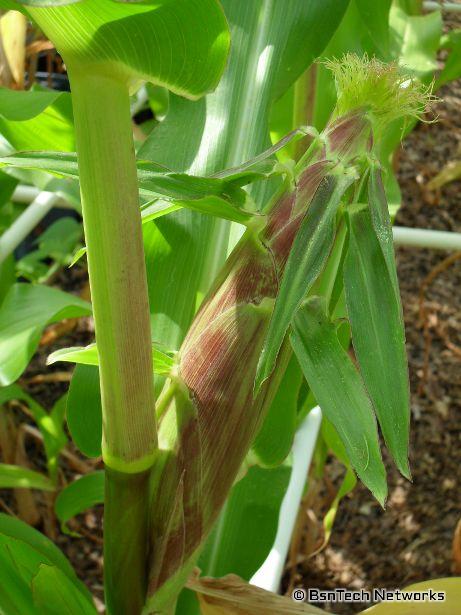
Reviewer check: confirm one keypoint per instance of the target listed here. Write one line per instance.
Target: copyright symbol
(299, 595)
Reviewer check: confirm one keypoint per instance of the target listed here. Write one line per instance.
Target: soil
(412, 540)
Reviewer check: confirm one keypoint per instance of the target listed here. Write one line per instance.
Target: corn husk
(209, 415)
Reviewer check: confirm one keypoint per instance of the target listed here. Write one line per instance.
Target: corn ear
(208, 415)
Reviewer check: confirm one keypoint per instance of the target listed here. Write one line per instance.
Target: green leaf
(452, 68)
(245, 530)
(56, 244)
(44, 3)
(13, 528)
(352, 36)
(376, 20)
(271, 44)
(301, 49)
(307, 258)
(11, 5)
(212, 206)
(332, 439)
(339, 391)
(88, 355)
(379, 211)
(335, 445)
(17, 477)
(264, 164)
(15, 593)
(219, 195)
(156, 209)
(247, 525)
(214, 196)
(55, 594)
(78, 254)
(19, 105)
(275, 438)
(22, 550)
(378, 335)
(348, 484)
(37, 119)
(50, 425)
(415, 41)
(58, 414)
(78, 496)
(23, 590)
(182, 45)
(55, 424)
(84, 412)
(59, 239)
(25, 312)
(7, 276)
(7, 187)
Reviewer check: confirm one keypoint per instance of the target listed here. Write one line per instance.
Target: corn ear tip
(384, 89)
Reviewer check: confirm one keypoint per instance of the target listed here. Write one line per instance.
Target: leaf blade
(340, 392)
(220, 197)
(55, 594)
(308, 255)
(50, 425)
(88, 355)
(17, 477)
(24, 313)
(155, 42)
(375, 314)
(76, 497)
(84, 411)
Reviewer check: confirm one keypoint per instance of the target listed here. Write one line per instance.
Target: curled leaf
(232, 596)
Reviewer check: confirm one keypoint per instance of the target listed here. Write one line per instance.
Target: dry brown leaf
(230, 595)
(457, 548)
(8, 436)
(450, 173)
(25, 500)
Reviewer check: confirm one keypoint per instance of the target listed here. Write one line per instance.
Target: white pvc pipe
(140, 100)
(27, 194)
(269, 574)
(26, 222)
(424, 238)
(449, 7)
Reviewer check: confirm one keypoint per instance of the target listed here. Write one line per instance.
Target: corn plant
(306, 239)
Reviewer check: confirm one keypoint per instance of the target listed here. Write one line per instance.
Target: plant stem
(125, 539)
(112, 222)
